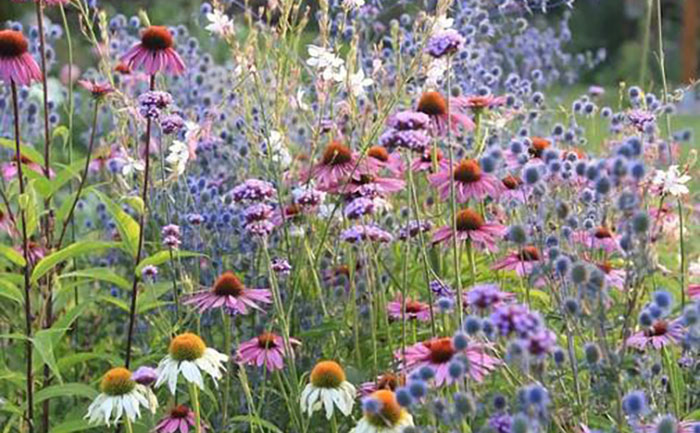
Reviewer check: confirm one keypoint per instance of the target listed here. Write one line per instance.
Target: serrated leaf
(73, 250)
(65, 390)
(100, 274)
(12, 255)
(163, 256)
(128, 228)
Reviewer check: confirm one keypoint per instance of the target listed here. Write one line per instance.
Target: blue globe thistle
(426, 373)
(637, 170)
(572, 306)
(371, 405)
(403, 397)
(592, 353)
(634, 403)
(517, 234)
(559, 356)
(655, 311)
(472, 325)
(488, 164)
(666, 424)
(531, 175)
(417, 389)
(663, 299)
(579, 273)
(455, 369)
(603, 185)
(463, 402)
(460, 341)
(562, 265)
(645, 318)
(520, 424)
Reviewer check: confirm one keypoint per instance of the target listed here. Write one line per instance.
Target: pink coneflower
(522, 262)
(437, 354)
(694, 291)
(292, 213)
(98, 90)
(180, 419)
(336, 166)
(388, 381)
(469, 182)
(661, 333)
(379, 157)
(479, 103)
(6, 224)
(230, 292)
(538, 146)
(425, 161)
(155, 53)
(9, 169)
(484, 296)
(415, 310)
(367, 185)
(16, 64)
(681, 426)
(34, 250)
(613, 277)
(471, 226)
(266, 350)
(513, 189)
(600, 238)
(435, 105)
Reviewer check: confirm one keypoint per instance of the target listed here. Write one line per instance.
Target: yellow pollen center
(117, 381)
(327, 374)
(187, 347)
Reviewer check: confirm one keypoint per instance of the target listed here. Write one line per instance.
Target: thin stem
(197, 412)
(25, 251)
(129, 427)
(142, 229)
(83, 178)
(646, 42)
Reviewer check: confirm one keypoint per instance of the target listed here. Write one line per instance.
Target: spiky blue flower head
(536, 395)
(592, 352)
(531, 175)
(464, 403)
(488, 164)
(667, 424)
(603, 185)
(417, 389)
(371, 405)
(663, 299)
(637, 170)
(499, 402)
(572, 306)
(520, 424)
(517, 234)
(562, 265)
(455, 369)
(655, 311)
(645, 318)
(472, 325)
(426, 373)
(559, 356)
(579, 273)
(403, 397)
(691, 316)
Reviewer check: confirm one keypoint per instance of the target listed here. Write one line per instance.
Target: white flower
(357, 83)
(190, 356)
(178, 157)
(120, 395)
(436, 72)
(441, 23)
(303, 106)
(353, 4)
(330, 66)
(275, 148)
(219, 24)
(328, 389)
(671, 181)
(131, 165)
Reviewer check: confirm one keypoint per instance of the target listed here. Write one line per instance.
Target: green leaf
(48, 188)
(12, 255)
(76, 249)
(69, 361)
(100, 274)
(27, 151)
(72, 426)
(65, 390)
(163, 256)
(128, 228)
(11, 292)
(252, 419)
(43, 343)
(676, 381)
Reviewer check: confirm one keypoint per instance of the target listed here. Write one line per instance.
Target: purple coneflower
(98, 90)
(437, 354)
(425, 161)
(613, 277)
(470, 182)
(388, 381)
(16, 64)
(337, 164)
(10, 169)
(435, 105)
(379, 157)
(266, 350)
(471, 226)
(600, 238)
(367, 185)
(415, 310)
(229, 291)
(155, 53)
(522, 262)
(661, 333)
(180, 419)
(480, 103)
(513, 189)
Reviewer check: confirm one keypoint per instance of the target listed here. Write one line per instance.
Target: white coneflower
(328, 388)
(383, 414)
(120, 395)
(190, 356)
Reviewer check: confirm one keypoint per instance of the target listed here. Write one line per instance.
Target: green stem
(194, 393)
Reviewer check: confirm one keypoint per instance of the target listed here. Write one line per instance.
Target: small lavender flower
(308, 196)
(257, 217)
(281, 266)
(440, 289)
(359, 233)
(152, 103)
(414, 140)
(149, 272)
(253, 190)
(414, 228)
(409, 120)
(443, 43)
(144, 375)
(359, 207)
(172, 124)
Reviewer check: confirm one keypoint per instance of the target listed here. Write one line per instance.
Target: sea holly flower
(16, 64)
(229, 292)
(120, 395)
(328, 388)
(180, 419)
(188, 355)
(471, 226)
(470, 182)
(266, 350)
(438, 353)
(383, 414)
(155, 53)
